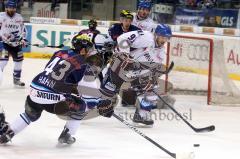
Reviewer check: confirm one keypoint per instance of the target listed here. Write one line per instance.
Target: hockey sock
(17, 70)
(72, 125)
(3, 63)
(20, 123)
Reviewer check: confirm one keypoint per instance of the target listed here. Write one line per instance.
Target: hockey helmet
(126, 14)
(11, 4)
(82, 41)
(104, 42)
(163, 30)
(92, 24)
(145, 4)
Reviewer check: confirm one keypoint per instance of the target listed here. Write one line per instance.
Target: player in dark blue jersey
(92, 31)
(124, 26)
(52, 89)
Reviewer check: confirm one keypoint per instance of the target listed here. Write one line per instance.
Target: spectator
(191, 4)
(206, 4)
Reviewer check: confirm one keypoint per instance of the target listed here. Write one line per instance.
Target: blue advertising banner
(226, 18)
(188, 16)
(29, 38)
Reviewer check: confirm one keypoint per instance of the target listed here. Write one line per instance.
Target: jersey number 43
(57, 68)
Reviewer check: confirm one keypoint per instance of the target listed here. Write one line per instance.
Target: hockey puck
(196, 145)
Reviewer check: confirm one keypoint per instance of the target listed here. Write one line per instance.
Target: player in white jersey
(147, 50)
(144, 22)
(142, 19)
(13, 37)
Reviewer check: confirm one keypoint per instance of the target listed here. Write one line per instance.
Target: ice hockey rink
(103, 138)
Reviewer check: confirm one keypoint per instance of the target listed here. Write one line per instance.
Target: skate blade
(141, 125)
(63, 144)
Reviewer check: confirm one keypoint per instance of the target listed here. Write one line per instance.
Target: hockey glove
(71, 104)
(105, 108)
(24, 42)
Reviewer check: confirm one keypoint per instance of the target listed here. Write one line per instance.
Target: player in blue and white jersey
(55, 90)
(13, 38)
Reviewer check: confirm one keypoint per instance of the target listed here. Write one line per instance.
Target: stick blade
(60, 46)
(185, 155)
(206, 129)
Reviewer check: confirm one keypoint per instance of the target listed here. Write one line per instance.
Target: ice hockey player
(117, 29)
(52, 89)
(142, 19)
(144, 22)
(92, 31)
(147, 49)
(13, 35)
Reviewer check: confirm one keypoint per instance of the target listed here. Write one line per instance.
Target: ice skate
(6, 132)
(142, 121)
(18, 83)
(2, 120)
(65, 137)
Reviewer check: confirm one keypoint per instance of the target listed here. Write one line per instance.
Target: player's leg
(32, 113)
(72, 109)
(160, 88)
(69, 131)
(142, 115)
(17, 56)
(129, 97)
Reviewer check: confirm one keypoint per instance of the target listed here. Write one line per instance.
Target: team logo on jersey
(110, 86)
(148, 57)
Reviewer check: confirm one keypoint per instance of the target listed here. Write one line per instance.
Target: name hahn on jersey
(46, 81)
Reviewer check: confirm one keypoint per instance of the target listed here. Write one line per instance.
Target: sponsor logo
(229, 32)
(186, 28)
(148, 57)
(198, 52)
(194, 52)
(233, 58)
(49, 96)
(208, 30)
(225, 21)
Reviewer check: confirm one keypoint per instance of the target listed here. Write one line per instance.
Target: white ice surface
(103, 138)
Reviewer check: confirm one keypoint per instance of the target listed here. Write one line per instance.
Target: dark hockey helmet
(126, 14)
(82, 41)
(92, 24)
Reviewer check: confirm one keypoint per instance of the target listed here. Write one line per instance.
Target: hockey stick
(52, 46)
(173, 155)
(198, 130)
(169, 69)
